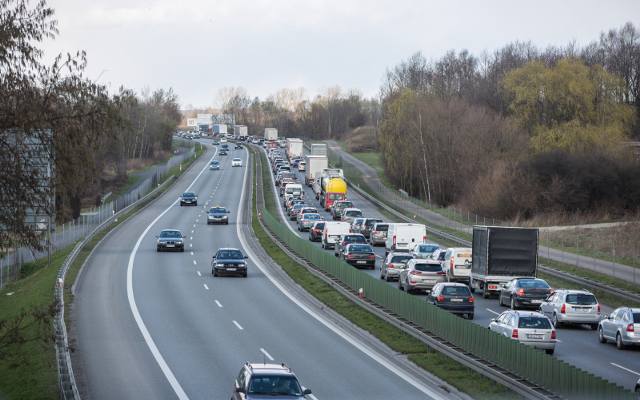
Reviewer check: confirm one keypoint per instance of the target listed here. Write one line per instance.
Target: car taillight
(598, 308)
(394, 240)
(553, 335)
(414, 272)
(520, 292)
(440, 298)
(390, 266)
(563, 309)
(471, 299)
(349, 256)
(424, 238)
(451, 265)
(371, 257)
(630, 328)
(514, 334)
(441, 273)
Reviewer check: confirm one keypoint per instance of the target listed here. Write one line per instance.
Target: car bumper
(376, 241)
(229, 271)
(629, 340)
(392, 273)
(422, 285)
(217, 220)
(528, 302)
(457, 308)
(540, 345)
(579, 318)
(165, 247)
(362, 263)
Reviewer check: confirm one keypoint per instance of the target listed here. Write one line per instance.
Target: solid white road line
(198, 272)
(380, 359)
(263, 351)
(492, 312)
(237, 325)
(164, 367)
(218, 304)
(625, 368)
(205, 286)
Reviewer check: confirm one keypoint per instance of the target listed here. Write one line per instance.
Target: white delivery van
(457, 264)
(404, 236)
(332, 232)
(293, 189)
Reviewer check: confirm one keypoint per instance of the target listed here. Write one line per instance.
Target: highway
(151, 325)
(577, 345)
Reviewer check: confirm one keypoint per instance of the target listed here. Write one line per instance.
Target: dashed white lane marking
(198, 272)
(195, 262)
(263, 351)
(190, 244)
(237, 325)
(218, 304)
(190, 237)
(493, 312)
(205, 286)
(194, 225)
(625, 368)
(193, 230)
(191, 253)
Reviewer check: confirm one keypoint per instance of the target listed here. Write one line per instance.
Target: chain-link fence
(70, 232)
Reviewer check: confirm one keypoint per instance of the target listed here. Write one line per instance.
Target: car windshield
(382, 227)
(283, 385)
(532, 284)
(170, 234)
(400, 259)
(360, 248)
(236, 159)
(428, 267)
(427, 248)
(534, 323)
(230, 254)
(188, 194)
(456, 291)
(217, 210)
(582, 299)
(215, 162)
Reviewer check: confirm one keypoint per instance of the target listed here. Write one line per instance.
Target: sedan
(393, 264)
(621, 326)
(229, 261)
(347, 240)
(527, 327)
(453, 297)
(188, 198)
(524, 292)
(214, 165)
(218, 215)
(307, 210)
(223, 152)
(238, 146)
(170, 240)
(420, 276)
(236, 162)
(360, 255)
(307, 220)
(315, 233)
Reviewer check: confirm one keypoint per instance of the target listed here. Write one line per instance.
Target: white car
(236, 162)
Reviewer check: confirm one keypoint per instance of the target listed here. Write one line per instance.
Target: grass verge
(458, 375)
(28, 367)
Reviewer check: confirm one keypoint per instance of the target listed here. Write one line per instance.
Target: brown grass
(362, 139)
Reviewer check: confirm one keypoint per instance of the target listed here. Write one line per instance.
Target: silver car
(622, 326)
(527, 327)
(421, 275)
(393, 264)
(572, 307)
(356, 225)
(379, 234)
(350, 214)
(424, 250)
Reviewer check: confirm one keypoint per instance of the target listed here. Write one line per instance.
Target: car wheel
(549, 351)
(619, 343)
(594, 327)
(513, 304)
(400, 285)
(470, 316)
(182, 250)
(214, 273)
(554, 321)
(158, 249)
(601, 337)
(244, 275)
(382, 275)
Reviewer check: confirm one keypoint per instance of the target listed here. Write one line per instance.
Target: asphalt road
(159, 325)
(578, 345)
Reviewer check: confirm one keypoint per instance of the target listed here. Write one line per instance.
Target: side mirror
(606, 316)
(246, 257)
(184, 236)
(239, 389)
(493, 320)
(306, 392)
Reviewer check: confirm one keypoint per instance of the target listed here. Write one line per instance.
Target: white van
(332, 232)
(457, 264)
(404, 236)
(293, 189)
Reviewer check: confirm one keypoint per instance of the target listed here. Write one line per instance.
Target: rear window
(581, 299)
(360, 248)
(532, 284)
(320, 226)
(353, 213)
(465, 254)
(456, 291)
(371, 222)
(400, 259)
(636, 318)
(382, 227)
(427, 248)
(355, 239)
(534, 323)
(312, 216)
(428, 267)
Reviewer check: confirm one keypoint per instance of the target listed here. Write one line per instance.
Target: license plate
(231, 269)
(361, 262)
(538, 337)
(457, 300)
(170, 245)
(536, 301)
(492, 287)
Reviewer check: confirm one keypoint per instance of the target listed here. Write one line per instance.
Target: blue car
(214, 165)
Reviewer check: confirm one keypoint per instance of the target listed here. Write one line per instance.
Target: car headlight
(242, 265)
(178, 241)
(219, 265)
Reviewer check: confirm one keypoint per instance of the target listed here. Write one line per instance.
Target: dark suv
(188, 198)
(272, 381)
(228, 261)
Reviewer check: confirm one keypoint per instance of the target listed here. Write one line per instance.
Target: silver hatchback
(527, 327)
(577, 307)
(622, 326)
(421, 275)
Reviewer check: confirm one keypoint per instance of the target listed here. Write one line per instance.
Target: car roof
(352, 209)
(236, 159)
(452, 284)
(574, 291)
(523, 313)
(171, 230)
(228, 248)
(262, 368)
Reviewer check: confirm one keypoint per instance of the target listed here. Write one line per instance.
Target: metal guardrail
(546, 376)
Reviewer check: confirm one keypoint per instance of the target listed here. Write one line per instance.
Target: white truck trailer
(295, 148)
(270, 134)
(314, 167)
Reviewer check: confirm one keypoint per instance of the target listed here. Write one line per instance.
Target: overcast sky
(199, 46)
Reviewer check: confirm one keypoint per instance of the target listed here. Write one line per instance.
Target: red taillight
(630, 328)
(414, 272)
(394, 240)
(563, 309)
(440, 298)
(371, 257)
(451, 264)
(390, 266)
(598, 308)
(441, 273)
(553, 335)
(514, 334)
(520, 292)
(424, 238)
(471, 299)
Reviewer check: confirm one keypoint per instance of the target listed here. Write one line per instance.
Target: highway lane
(203, 327)
(578, 345)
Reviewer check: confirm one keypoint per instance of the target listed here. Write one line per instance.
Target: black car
(346, 240)
(238, 146)
(524, 293)
(360, 255)
(229, 261)
(218, 215)
(368, 226)
(453, 297)
(188, 198)
(170, 240)
(223, 152)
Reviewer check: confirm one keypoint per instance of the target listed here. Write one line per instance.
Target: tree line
(86, 130)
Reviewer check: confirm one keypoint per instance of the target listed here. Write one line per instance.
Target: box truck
(270, 134)
(294, 148)
(314, 166)
(318, 149)
(219, 129)
(240, 131)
